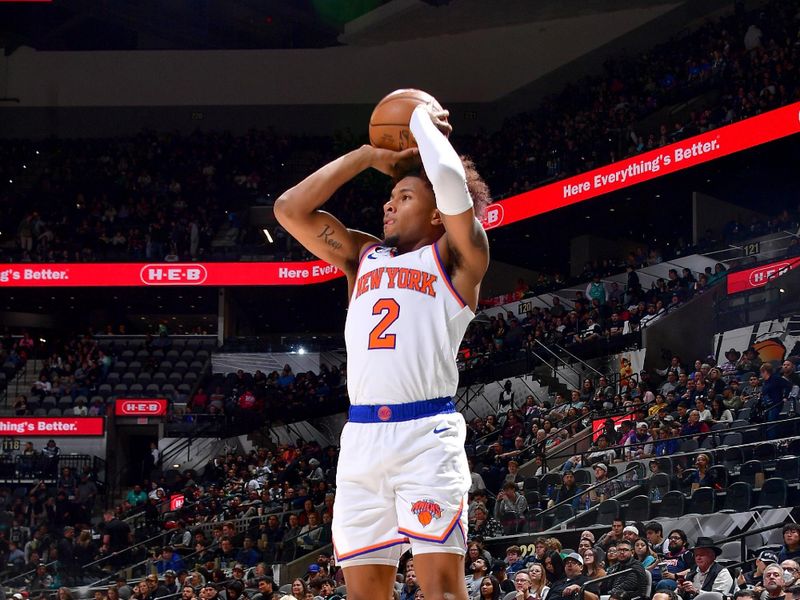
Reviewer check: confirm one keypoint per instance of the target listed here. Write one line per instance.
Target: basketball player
(402, 475)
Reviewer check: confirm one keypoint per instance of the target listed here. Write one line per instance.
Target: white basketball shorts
(399, 484)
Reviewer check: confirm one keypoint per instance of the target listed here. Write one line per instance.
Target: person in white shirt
(43, 385)
(707, 575)
(705, 414)
(477, 482)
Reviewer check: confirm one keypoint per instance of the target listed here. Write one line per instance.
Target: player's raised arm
(464, 247)
(322, 234)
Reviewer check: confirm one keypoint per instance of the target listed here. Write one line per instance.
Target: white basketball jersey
(404, 327)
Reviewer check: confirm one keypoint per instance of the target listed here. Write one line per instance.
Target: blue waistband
(394, 413)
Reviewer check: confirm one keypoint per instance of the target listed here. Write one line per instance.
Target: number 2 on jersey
(378, 338)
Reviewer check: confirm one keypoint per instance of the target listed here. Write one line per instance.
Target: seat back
(658, 481)
(530, 483)
(563, 513)
(765, 452)
(550, 479)
(774, 492)
(731, 551)
(686, 480)
(788, 467)
(688, 445)
(733, 438)
(672, 504)
(709, 596)
(750, 472)
(607, 511)
(702, 501)
(583, 476)
(533, 499)
(732, 458)
(739, 497)
(638, 509)
(665, 464)
(720, 475)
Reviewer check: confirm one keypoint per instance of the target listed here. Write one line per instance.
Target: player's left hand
(440, 117)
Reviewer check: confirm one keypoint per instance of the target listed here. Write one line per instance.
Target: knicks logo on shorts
(426, 510)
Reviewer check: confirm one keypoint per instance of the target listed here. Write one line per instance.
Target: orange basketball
(424, 518)
(388, 125)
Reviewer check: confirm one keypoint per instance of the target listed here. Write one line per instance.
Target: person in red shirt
(247, 401)
(199, 401)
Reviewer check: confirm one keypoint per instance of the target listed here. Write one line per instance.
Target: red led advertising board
(693, 151)
(140, 407)
(597, 424)
(690, 152)
(165, 274)
(757, 277)
(51, 426)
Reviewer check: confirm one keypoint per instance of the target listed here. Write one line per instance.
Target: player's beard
(390, 241)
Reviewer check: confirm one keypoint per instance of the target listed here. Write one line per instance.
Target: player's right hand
(394, 164)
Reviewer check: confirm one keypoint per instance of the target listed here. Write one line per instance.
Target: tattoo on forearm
(327, 235)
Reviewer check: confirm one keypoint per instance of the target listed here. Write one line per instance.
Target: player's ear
(436, 218)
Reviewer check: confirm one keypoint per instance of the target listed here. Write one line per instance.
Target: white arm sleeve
(442, 165)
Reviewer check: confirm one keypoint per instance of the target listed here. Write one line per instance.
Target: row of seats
(52, 412)
(172, 355)
(152, 388)
(118, 344)
(165, 366)
(739, 497)
(753, 477)
(107, 393)
(174, 377)
(747, 463)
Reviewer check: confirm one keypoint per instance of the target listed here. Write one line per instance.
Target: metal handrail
(749, 426)
(744, 535)
(554, 433)
(128, 548)
(530, 389)
(133, 566)
(31, 572)
(557, 357)
(143, 542)
(593, 412)
(583, 362)
(264, 517)
(584, 491)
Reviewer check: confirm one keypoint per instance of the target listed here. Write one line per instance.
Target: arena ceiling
(236, 24)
